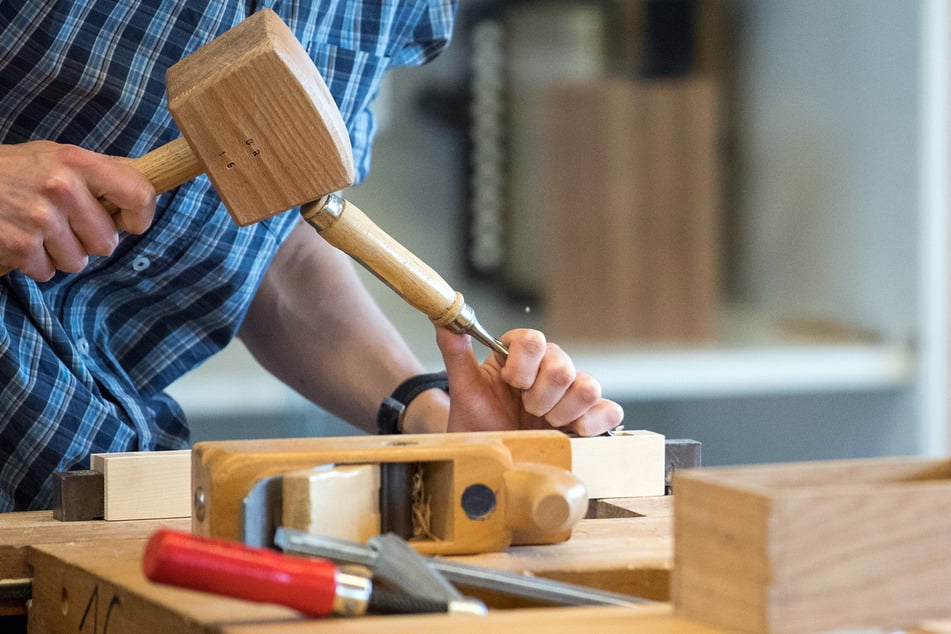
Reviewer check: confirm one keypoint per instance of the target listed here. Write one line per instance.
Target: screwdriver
(313, 587)
(510, 583)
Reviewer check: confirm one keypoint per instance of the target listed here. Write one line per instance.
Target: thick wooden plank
(100, 587)
(657, 619)
(814, 546)
(635, 191)
(104, 589)
(19, 531)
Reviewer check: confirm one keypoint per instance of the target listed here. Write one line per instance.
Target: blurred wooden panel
(634, 207)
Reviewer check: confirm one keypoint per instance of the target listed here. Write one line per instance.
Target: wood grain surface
(78, 583)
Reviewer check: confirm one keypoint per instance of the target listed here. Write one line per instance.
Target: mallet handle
(169, 166)
(166, 167)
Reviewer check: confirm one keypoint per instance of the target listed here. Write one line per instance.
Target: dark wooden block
(78, 495)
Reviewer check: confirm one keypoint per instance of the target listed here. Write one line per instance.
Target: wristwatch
(389, 420)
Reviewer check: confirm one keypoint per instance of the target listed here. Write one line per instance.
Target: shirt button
(83, 345)
(141, 263)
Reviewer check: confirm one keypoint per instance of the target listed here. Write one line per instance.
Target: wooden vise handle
(166, 167)
(543, 499)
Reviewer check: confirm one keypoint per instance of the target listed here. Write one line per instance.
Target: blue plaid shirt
(85, 358)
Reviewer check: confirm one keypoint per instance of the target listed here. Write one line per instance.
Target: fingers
(51, 206)
(77, 224)
(604, 416)
(553, 390)
(556, 392)
(527, 350)
(115, 181)
(63, 224)
(458, 356)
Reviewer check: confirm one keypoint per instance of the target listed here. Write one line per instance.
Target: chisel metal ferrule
(324, 212)
(466, 323)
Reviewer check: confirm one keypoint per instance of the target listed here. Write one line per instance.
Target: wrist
(420, 404)
(428, 413)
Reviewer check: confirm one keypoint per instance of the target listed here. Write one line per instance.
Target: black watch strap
(389, 420)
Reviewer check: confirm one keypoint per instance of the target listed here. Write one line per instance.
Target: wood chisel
(343, 225)
(314, 587)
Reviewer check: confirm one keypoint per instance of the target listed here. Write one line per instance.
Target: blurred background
(731, 212)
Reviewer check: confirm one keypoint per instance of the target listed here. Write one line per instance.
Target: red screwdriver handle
(231, 569)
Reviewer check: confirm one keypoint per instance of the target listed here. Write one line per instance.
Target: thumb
(461, 364)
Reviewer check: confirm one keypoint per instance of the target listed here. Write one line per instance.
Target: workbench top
(84, 568)
(18, 531)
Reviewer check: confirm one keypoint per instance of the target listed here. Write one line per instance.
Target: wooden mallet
(258, 119)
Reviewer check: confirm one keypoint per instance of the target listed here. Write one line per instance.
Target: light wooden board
(103, 580)
(814, 546)
(629, 464)
(145, 484)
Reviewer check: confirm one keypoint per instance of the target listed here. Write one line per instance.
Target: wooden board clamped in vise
(482, 491)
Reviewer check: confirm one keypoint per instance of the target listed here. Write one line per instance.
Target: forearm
(314, 326)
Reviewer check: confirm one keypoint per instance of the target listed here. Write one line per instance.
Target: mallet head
(260, 119)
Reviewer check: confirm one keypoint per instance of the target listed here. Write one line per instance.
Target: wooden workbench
(87, 577)
(19, 531)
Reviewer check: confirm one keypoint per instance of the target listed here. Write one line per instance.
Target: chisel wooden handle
(310, 586)
(166, 167)
(344, 226)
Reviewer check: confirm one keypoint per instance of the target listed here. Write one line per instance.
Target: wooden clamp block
(813, 547)
(333, 501)
(78, 495)
(145, 484)
(484, 490)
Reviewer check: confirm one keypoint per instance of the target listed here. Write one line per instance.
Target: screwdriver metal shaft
(510, 583)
